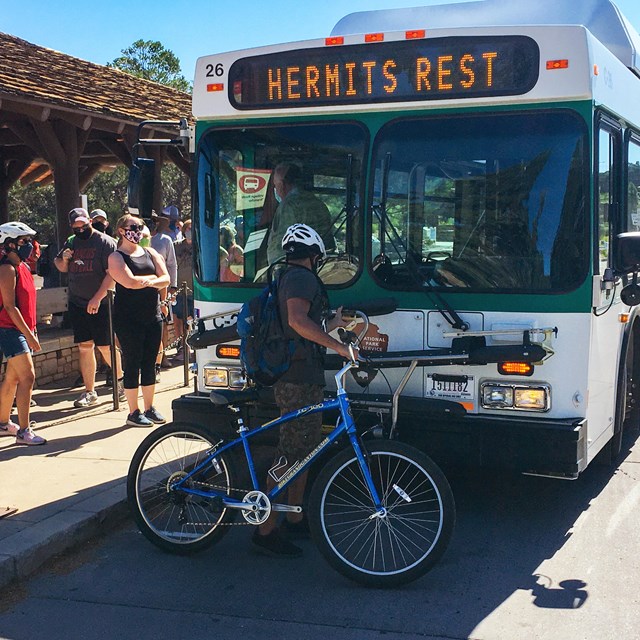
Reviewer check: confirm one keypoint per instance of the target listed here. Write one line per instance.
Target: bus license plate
(454, 389)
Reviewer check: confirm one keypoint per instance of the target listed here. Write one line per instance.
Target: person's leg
(20, 369)
(87, 361)
(131, 343)
(106, 354)
(151, 341)
(102, 338)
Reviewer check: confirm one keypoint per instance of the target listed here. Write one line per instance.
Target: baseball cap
(98, 213)
(171, 212)
(78, 215)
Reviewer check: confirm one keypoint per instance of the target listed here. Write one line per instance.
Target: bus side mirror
(141, 187)
(627, 261)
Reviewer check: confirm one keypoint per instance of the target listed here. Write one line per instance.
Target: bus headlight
(217, 377)
(516, 396)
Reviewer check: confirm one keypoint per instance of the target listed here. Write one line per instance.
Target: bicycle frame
(345, 424)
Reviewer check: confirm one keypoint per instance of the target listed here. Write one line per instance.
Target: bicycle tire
(177, 522)
(383, 551)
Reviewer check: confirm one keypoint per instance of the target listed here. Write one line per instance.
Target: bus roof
(601, 17)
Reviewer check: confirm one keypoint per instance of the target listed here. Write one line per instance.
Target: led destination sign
(411, 70)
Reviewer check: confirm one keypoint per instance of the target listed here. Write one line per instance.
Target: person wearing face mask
(84, 257)
(140, 274)
(174, 228)
(295, 205)
(17, 330)
(100, 222)
(184, 260)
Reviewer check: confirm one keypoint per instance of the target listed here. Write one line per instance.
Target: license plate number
(455, 389)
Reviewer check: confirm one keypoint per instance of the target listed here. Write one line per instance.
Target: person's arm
(63, 259)
(162, 278)
(94, 304)
(299, 321)
(172, 266)
(120, 272)
(8, 291)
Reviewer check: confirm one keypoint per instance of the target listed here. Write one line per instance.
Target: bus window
(606, 193)
(329, 161)
(633, 185)
(483, 202)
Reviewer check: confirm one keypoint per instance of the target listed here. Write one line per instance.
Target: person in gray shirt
(84, 257)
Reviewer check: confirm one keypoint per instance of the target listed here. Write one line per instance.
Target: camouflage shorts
(300, 436)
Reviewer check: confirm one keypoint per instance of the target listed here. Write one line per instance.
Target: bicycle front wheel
(389, 549)
(173, 520)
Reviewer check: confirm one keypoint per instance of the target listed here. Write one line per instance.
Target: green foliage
(149, 59)
(35, 206)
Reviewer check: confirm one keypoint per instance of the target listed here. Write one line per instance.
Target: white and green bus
(479, 162)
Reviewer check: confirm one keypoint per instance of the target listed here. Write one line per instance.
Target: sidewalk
(68, 489)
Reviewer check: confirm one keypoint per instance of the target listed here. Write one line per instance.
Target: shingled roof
(50, 77)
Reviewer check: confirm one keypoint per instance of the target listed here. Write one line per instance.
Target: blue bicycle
(380, 512)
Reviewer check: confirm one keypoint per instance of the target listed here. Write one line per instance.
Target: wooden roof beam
(34, 174)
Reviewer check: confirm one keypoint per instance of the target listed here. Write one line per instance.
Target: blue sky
(98, 31)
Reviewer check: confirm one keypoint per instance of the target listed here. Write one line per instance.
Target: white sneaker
(29, 437)
(87, 399)
(10, 428)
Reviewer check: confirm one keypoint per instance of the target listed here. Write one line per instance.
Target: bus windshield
(482, 202)
(236, 201)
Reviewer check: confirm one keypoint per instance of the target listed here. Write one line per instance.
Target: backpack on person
(265, 349)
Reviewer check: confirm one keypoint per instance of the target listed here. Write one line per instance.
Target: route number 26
(214, 71)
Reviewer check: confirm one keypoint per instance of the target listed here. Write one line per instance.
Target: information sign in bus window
(415, 70)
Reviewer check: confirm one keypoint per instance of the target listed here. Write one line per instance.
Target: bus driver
(296, 206)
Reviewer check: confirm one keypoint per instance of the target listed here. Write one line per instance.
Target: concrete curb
(26, 551)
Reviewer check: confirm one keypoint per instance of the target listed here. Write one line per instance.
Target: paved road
(530, 559)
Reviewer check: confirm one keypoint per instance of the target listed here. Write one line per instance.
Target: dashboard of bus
(495, 202)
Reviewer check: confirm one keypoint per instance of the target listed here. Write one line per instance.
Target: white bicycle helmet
(10, 230)
(300, 236)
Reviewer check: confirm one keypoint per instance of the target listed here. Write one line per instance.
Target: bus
(481, 164)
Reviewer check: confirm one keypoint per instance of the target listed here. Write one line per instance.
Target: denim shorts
(12, 343)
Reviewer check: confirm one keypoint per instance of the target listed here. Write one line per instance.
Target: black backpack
(265, 349)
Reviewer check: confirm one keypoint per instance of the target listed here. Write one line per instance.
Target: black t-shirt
(307, 364)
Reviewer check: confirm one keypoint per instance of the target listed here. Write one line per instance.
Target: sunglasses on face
(135, 227)
(84, 227)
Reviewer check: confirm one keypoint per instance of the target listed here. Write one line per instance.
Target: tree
(150, 60)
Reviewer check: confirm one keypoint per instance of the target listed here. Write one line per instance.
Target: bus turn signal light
(515, 368)
(228, 351)
(557, 64)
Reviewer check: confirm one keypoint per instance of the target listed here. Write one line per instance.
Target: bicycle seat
(224, 397)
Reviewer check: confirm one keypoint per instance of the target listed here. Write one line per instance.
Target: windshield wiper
(380, 210)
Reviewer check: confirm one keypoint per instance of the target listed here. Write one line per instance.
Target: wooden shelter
(62, 119)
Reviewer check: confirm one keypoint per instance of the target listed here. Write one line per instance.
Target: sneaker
(295, 530)
(274, 545)
(155, 416)
(121, 394)
(137, 419)
(10, 428)
(28, 436)
(87, 399)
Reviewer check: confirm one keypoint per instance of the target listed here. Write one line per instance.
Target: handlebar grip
(375, 307)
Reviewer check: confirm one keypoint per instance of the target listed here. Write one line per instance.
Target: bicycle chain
(220, 524)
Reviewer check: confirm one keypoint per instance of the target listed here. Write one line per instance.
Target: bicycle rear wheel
(387, 550)
(173, 520)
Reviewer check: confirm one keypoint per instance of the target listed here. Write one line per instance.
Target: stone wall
(58, 360)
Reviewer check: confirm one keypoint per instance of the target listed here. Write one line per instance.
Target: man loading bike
(304, 309)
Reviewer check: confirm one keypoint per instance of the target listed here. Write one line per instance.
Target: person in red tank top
(17, 330)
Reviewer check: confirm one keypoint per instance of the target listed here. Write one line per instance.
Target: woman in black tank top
(139, 274)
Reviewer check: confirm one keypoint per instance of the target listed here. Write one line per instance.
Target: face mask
(145, 241)
(187, 235)
(133, 236)
(277, 195)
(100, 226)
(172, 225)
(81, 233)
(24, 251)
